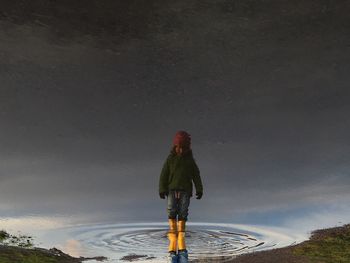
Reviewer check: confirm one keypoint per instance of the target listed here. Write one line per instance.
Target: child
(179, 170)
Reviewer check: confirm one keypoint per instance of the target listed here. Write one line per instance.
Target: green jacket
(178, 173)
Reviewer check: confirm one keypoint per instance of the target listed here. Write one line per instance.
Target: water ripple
(206, 242)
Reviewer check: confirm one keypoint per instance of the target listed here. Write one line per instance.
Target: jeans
(178, 203)
(181, 257)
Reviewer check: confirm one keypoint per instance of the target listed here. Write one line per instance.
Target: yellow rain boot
(172, 235)
(181, 234)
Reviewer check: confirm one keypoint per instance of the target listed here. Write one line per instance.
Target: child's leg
(184, 203)
(172, 205)
(172, 233)
(173, 258)
(182, 256)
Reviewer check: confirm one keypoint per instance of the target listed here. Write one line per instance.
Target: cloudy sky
(92, 94)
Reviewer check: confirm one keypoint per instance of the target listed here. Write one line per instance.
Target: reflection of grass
(328, 247)
(14, 250)
(12, 240)
(19, 249)
(3, 235)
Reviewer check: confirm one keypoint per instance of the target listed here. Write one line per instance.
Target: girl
(179, 170)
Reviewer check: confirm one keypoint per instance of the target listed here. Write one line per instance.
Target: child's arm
(197, 179)
(163, 180)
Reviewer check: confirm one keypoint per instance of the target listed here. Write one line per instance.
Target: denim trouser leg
(172, 205)
(178, 206)
(173, 258)
(183, 256)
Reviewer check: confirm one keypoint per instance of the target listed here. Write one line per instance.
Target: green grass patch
(328, 247)
(12, 254)
(9, 254)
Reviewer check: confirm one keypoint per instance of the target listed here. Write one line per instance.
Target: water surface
(217, 242)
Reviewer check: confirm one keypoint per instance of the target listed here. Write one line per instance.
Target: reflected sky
(88, 112)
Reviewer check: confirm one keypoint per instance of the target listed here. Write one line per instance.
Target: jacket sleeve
(197, 179)
(163, 180)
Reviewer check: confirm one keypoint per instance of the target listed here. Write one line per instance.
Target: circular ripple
(205, 242)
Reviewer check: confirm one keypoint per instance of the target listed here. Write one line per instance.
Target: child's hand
(199, 195)
(162, 195)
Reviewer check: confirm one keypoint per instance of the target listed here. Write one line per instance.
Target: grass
(20, 249)
(17, 249)
(14, 254)
(13, 240)
(330, 247)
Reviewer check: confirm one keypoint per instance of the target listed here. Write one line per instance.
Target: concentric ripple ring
(147, 242)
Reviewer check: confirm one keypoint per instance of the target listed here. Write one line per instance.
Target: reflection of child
(179, 170)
